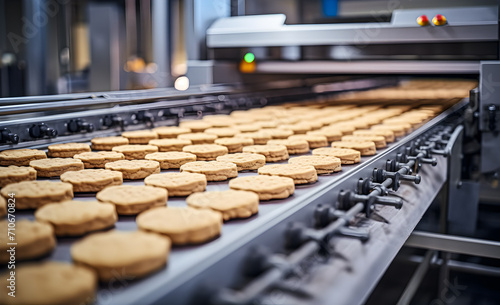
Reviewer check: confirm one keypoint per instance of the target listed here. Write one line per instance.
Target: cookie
(277, 133)
(13, 174)
(234, 145)
(213, 170)
(133, 199)
(183, 225)
(220, 120)
(366, 148)
(292, 146)
(178, 184)
(98, 159)
(406, 126)
(386, 133)
(67, 150)
(170, 144)
(171, 159)
(223, 132)
(75, 218)
(259, 137)
(346, 156)
(3, 206)
(330, 134)
(301, 174)
(107, 143)
(231, 203)
(297, 128)
(115, 254)
(198, 138)
(20, 157)
(314, 141)
(322, 164)
(401, 121)
(378, 140)
(55, 167)
(92, 180)
(344, 129)
(247, 127)
(135, 152)
(399, 131)
(34, 194)
(267, 124)
(140, 136)
(266, 187)
(244, 161)
(134, 169)
(196, 126)
(41, 283)
(34, 239)
(170, 132)
(206, 152)
(273, 153)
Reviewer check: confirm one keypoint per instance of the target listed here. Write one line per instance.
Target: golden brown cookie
(67, 150)
(267, 187)
(366, 148)
(20, 157)
(297, 128)
(178, 184)
(135, 152)
(206, 152)
(273, 153)
(171, 159)
(133, 199)
(135, 169)
(386, 133)
(314, 141)
(92, 180)
(170, 144)
(13, 174)
(345, 129)
(322, 164)
(140, 136)
(330, 134)
(75, 218)
(3, 206)
(183, 225)
(170, 132)
(231, 203)
(107, 143)
(400, 121)
(346, 156)
(116, 254)
(301, 174)
(213, 170)
(378, 140)
(222, 132)
(267, 124)
(196, 125)
(198, 138)
(40, 283)
(32, 239)
(98, 159)
(220, 120)
(34, 194)
(55, 167)
(247, 127)
(244, 161)
(292, 146)
(258, 137)
(398, 130)
(234, 145)
(277, 133)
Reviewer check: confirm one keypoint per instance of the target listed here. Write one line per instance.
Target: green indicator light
(249, 57)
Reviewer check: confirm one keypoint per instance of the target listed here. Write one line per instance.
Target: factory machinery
(332, 241)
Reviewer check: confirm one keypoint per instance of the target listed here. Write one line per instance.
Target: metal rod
(416, 279)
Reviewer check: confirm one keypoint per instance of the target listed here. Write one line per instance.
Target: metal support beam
(416, 279)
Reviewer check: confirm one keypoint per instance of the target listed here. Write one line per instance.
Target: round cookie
(314, 141)
(322, 164)
(92, 180)
(170, 132)
(213, 170)
(234, 145)
(297, 128)
(267, 124)
(51, 283)
(34, 194)
(20, 157)
(231, 203)
(267, 187)
(273, 153)
(34, 239)
(387, 134)
(75, 218)
(98, 159)
(344, 129)
(3, 207)
(258, 137)
(117, 254)
(171, 159)
(196, 126)
(183, 225)
(378, 140)
(55, 167)
(134, 169)
(398, 131)
(346, 155)
(13, 174)
(206, 152)
(222, 132)
(247, 127)
(330, 134)
(244, 161)
(140, 136)
(198, 138)
(366, 148)
(220, 120)
(107, 143)
(178, 184)
(165, 145)
(133, 199)
(292, 146)
(277, 133)
(301, 174)
(67, 150)
(135, 152)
